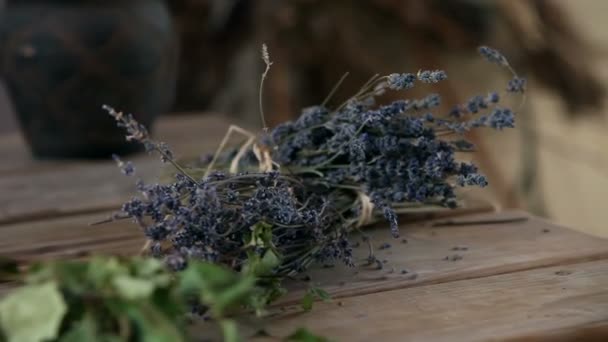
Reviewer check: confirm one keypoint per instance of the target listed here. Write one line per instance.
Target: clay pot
(63, 60)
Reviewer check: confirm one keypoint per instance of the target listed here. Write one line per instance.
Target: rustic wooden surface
(471, 274)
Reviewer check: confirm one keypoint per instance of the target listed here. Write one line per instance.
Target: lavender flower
(516, 85)
(432, 76)
(493, 97)
(493, 56)
(401, 81)
(127, 168)
(476, 104)
(430, 101)
(502, 118)
(137, 132)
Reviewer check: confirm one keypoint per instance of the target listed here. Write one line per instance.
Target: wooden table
(467, 275)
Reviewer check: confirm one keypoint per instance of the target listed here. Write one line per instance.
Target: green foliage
(104, 299)
(312, 294)
(230, 330)
(217, 287)
(136, 299)
(303, 335)
(32, 313)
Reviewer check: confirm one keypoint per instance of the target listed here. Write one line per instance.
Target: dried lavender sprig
(127, 168)
(266, 59)
(431, 76)
(493, 56)
(516, 85)
(334, 89)
(401, 81)
(139, 133)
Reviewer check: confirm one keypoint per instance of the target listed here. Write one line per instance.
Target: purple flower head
(501, 118)
(493, 97)
(493, 56)
(432, 76)
(516, 85)
(311, 116)
(401, 81)
(126, 168)
(430, 101)
(476, 103)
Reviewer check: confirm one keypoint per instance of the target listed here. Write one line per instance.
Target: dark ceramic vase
(62, 60)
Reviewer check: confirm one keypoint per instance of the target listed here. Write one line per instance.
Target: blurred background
(61, 60)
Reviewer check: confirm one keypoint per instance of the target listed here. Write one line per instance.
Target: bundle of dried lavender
(292, 196)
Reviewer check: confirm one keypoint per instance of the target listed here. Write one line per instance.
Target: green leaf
(205, 276)
(230, 297)
(261, 267)
(266, 292)
(307, 301)
(32, 313)
(270, 260)
(261, 235)
(217, 286)
(147, 267)
(83, 330)
(321, 294)
(310, 296)
(153, 325)
(230, 330)
(101, 270)
(303, 335)
(131, 288)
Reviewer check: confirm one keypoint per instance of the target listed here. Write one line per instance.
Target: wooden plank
(68, 238)
(74, 236)
(521, 243)
(520, 305)
(490, 249)
(37, 190)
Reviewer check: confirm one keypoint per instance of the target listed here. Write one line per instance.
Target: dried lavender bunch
(397, 154)
(232, 219)
(334, 171)
(237, 220)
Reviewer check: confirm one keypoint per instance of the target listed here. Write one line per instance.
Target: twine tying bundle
(367, 209)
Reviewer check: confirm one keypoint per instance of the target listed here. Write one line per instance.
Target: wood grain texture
(491, 248)
(519, 306)
(41, 189)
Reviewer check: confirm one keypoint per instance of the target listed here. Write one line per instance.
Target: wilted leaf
(32, 313)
